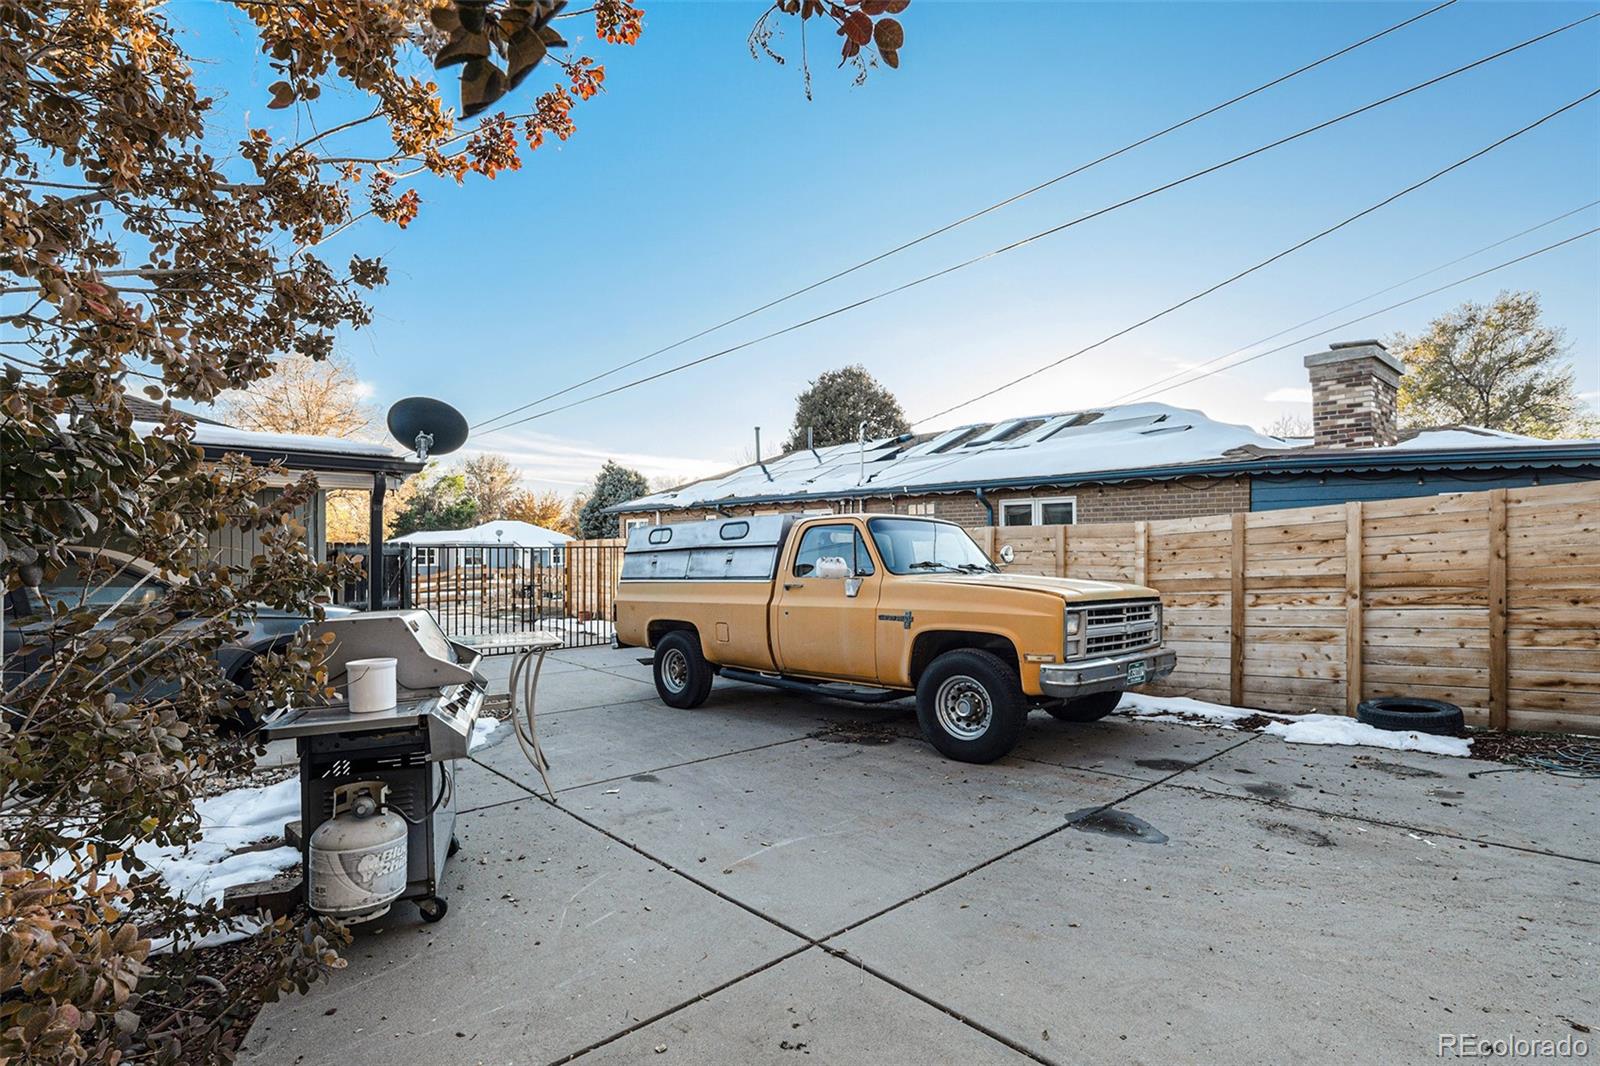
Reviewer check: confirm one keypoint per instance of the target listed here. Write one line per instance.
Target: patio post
(380, 484)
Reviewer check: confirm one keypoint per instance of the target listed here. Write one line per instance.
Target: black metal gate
(501, 590)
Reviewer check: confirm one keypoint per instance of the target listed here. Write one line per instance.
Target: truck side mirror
(852, 586)
(1007, 553)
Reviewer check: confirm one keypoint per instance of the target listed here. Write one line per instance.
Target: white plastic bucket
(371, 685)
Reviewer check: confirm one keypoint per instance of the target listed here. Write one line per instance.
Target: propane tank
(358, 857)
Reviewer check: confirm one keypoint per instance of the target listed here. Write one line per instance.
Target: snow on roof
(505, 533)
(1464, 437)
(1042, 446)
(220, 436)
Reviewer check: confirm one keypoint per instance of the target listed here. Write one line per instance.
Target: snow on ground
(229, 825)
(1296, 729)
(596, 628)
(1183, 709)
(1337, 729)
(487, 732)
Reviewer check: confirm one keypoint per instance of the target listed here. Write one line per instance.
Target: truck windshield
(914, 546)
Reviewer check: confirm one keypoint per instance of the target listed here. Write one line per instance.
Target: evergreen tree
(614, 484)
(835, 404)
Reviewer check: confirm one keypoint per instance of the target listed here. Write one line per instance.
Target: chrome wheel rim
(963, 708)
(674, 670)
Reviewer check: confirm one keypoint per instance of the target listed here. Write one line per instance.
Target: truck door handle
(788, 585)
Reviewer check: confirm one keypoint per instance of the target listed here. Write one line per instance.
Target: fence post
(1352, 606)
(1498, 666)
(986, 541)
(1236, 607)
(1141, 553)
(1061, 551)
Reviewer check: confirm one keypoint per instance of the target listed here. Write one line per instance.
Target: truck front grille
(1121, 627)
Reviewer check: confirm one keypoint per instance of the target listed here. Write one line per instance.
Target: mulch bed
(1514, 747)
(241, 967)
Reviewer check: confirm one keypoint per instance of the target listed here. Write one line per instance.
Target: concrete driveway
(768, 879)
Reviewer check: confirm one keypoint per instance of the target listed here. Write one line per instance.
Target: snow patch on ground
(1295, 729)
(487, 732)
(1337, 729)
(229, 825)
(1183, 709)
(568, 626)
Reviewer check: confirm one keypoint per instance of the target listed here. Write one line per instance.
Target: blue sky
(703, 183)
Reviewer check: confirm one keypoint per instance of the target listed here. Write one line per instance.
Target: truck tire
(1089, 708)
(682, 675)
(970, 706)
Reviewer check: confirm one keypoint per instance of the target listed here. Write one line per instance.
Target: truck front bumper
(1070, 680)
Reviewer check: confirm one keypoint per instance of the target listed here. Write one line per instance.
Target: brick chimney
(1353, 391)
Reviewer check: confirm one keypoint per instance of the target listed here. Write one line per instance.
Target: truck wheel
(683, 677)
(970, 706)
(1085, 708)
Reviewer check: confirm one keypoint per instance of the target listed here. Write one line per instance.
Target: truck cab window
(832, 542)
(918, 546)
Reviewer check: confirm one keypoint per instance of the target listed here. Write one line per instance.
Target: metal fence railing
(481, 591)
(353, 593)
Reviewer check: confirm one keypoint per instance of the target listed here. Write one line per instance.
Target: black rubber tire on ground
(682, 675)
(1404, 714)
(977, 675)
(1089, 708)
(432, 909)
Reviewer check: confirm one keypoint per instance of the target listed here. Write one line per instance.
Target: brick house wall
(1149, 500)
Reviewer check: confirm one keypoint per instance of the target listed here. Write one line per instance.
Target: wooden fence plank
(1498, 659)
(1236, 606)
(1352, 606)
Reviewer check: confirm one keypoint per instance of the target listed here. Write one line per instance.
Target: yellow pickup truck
(875, 607)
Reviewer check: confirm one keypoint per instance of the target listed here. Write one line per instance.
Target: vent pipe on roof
(811, 443)
(861, 472)
(759, 463)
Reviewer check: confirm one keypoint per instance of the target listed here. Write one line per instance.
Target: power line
(1008, 201)
(1267, 261)
(1345, 307)
(1147, 393)
(1046, 233)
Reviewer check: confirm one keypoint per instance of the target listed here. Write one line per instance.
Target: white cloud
(364, 390)
(1289, 395)
(552, 462)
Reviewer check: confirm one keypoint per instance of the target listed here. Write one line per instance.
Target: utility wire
(1141, 390)
(1051, 231)
(1267, 261)
(1147, 394)
(1008, 201)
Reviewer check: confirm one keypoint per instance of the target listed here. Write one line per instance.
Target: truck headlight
(1073, 648)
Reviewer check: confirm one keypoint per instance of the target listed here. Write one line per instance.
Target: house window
(472, 556)
(926, 509)
(427, 556)
(1045, 511)
(634, 523)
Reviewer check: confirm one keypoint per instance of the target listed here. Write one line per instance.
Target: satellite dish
(428, 426)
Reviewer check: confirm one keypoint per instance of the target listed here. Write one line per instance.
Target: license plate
(1137, 672)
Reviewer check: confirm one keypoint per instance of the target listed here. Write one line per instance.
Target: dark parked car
(135, 583)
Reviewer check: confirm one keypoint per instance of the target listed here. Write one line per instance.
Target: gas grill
(409, 750)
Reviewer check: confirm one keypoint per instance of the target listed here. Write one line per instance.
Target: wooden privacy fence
(1490, 600)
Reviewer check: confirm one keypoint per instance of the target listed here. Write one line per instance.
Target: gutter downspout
(380, 484)
(988, 504)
